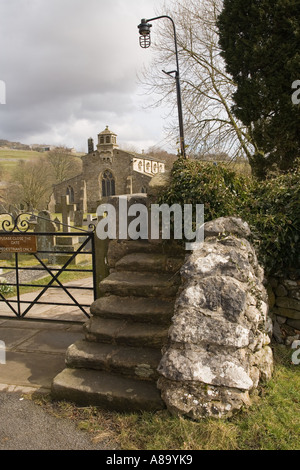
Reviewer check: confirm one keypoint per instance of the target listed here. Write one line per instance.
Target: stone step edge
(124, 333)
(137, 309)
(149, 262)
(110, 392)
(131, 283)
(138, 363)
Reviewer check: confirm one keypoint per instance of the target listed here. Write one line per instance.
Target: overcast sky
(70, 68)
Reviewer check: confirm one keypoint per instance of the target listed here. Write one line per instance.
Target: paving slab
(35, 352)
(54, 312)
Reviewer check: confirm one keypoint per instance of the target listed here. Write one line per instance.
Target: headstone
(45, 225)
(68, 211)
(57, 223)
(32, 222)
(78, 219)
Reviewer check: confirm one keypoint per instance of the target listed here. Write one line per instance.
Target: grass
(64, 278)
(9, 158)
(271, 423)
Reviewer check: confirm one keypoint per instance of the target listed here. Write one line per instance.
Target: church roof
(107, 131)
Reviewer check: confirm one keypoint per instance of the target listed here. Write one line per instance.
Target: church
(106, 171)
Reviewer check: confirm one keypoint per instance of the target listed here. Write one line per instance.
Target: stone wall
(218, 349)
(284, 298)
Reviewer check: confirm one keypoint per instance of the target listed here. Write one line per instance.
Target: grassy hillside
(9, 158)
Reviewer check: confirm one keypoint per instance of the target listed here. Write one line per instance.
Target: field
(9, 158)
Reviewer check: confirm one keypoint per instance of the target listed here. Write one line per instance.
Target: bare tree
(210, 126)
(31, 184)
(64, 165)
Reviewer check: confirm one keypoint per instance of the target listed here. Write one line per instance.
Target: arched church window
(70, 193)
(108, 184)
(108, 139)
(144, 190)
(102, 140)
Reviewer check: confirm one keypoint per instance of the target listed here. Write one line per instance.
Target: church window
(102, 140)
(108, 184)
(144, 190)
(108, 139)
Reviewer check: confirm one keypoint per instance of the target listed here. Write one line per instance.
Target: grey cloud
(64, 60)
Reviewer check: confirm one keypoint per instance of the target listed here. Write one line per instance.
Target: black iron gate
(18, 239)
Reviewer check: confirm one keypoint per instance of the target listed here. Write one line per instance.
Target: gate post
(100, 267)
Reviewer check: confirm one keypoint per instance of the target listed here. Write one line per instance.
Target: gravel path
(25, 275)
(25, 425)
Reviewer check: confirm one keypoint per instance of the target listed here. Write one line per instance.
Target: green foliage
(260, 44)
(271, 207)
(215, 186)
(273, 212)
(4, 287)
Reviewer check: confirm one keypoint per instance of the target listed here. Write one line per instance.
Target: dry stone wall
(218, 349)
(284, 295)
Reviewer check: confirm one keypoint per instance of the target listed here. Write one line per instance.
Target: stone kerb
(218, 348)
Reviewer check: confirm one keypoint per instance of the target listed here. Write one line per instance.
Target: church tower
(107, 141)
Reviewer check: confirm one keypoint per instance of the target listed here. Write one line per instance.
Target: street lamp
(145, 42)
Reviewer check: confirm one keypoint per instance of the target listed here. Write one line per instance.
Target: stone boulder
(218, 348)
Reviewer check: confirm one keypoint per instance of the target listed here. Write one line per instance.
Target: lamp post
(145, 42)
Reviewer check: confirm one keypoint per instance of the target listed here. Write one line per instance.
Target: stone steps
(116, 359)
(119, 248)
(106, 390)
(115, 366)
(140, 284)
(149, 262)
(125, 333)
(136, 309)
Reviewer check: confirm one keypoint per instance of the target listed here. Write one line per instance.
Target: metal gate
(17, 239)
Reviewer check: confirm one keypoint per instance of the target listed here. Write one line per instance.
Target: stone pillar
(218, 349)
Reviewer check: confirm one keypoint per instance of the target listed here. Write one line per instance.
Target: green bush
(271, 207)
(4, 287)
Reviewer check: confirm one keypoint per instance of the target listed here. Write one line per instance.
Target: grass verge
(272, 422)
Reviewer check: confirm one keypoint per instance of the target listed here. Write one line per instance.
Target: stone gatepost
(218, 349)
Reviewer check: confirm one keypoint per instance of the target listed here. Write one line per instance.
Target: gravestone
(68, 210)
(57, 223)
(44, 224)
(66, 245)
(32, 222)
(78, 219)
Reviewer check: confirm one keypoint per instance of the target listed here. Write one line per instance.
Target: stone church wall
(61, 190)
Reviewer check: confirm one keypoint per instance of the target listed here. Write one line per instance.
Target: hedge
(271, 207)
